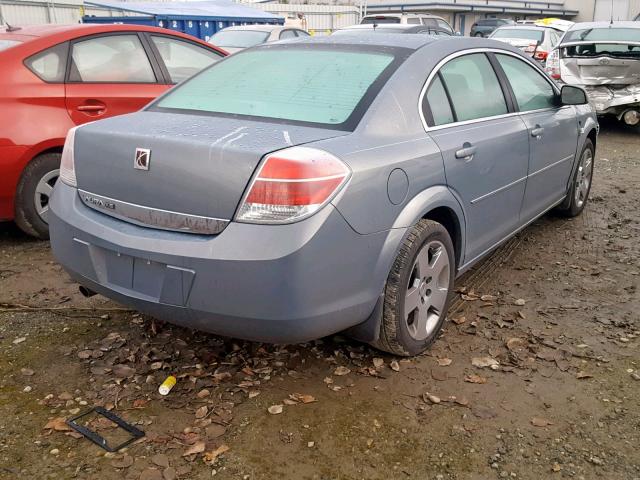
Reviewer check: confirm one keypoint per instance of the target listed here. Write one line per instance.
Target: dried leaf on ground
(275, 409)
(488, 298)
(378, 362)
(27, 372)
(124, 462)
(395, 366)
(58, 424)
(215, 430)
(341, 371)
(444, 362)
(151, 474)
(427, 397)
(520, 302)
(459, 320)
(540, 422)
(484, 362)
(583, 375)
(197, 447)
(211, 456)
(302, 398)
(475, 379)
(202, 412)
(160, 460)
(123, 371)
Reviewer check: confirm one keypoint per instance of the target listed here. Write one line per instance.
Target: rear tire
(34, 192)
(421, 281)
(480, 35)
(580, 183)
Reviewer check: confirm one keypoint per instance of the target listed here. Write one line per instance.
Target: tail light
(553, 64)
(541, 55)
(67, 164)
(292, 184)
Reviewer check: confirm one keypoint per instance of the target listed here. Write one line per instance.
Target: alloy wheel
(427, 290)
(42, 196)
(583, 178)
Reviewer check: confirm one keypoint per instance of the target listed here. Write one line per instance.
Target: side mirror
(572, 95)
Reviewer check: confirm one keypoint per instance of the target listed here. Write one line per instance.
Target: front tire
(418, 291)
(34, 192)
(580, 183)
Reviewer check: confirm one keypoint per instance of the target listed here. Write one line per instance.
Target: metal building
(34, 12)
(201, 19)
(316, 19)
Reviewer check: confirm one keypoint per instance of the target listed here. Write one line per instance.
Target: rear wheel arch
(449, 220)
(593, 136)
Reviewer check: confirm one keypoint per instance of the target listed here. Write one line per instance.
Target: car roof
(386, 26)
(421, 15)
(398, 40)
(586, 25)
(525, 27)
(258, 28)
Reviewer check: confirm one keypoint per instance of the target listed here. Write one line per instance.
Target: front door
(485, 149)
(109, 75)
(553, 135)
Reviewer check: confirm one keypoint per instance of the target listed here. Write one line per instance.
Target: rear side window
(532, 91)
(474, 88)
(287, 34)
(50, 64)
(439, 103)
(308, 85)
(413, 21)
(183, 59)
(443, 24)
(111, 59)
(380, 19)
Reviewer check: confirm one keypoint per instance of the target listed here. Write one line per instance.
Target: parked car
(485, 27)
(342, 184)
(234, 39)
(369, 28)
(407, 18)
(603, 58)
(56, 77)
(534, 40)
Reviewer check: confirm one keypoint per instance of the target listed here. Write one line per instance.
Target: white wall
(17, 12)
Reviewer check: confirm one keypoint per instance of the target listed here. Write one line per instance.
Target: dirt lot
(536, 375)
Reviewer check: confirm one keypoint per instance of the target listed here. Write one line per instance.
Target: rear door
(110, 74)
(484, 145)
(553, 135)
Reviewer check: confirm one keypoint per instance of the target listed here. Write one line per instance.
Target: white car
(534, 40)
(234, 39)
(407, 18)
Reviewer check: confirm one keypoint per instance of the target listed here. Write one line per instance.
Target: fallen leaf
(58, 424)
(215, 430)
(341, 371)
(125, 462)
(202, 412)
(475, 379)
(540, 422)
(211, 457)
(140, 402)
(444, 362)
(84, 354)
(488, 298)
(303, 398)
(169, 473)
(515, 343)
(520, 302)
(378, 362)
(439, 374)
(582, 375)
(395, 366)
(483, 362)
(483, 412)
(19, 340)
(151, 474)
(203, 393)
(253, 393)
(275, 409)
(197, 447)
(27, 372)
(288, 401)
(123, 371)
(459, 320)
(328, 380)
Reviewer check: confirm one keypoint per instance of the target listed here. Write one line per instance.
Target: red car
(55, 77)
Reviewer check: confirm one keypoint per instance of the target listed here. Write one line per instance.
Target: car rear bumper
(284, 284)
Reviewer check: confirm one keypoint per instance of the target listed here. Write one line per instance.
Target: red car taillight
(292, 184)
(553, 65)
(541, 55)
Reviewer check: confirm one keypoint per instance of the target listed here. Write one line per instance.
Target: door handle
(90, 108)
(466, 152)
(537, 132)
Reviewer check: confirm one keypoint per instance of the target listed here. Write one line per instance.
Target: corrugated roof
(218, 9)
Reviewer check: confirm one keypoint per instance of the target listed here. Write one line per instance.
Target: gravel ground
(536, 374)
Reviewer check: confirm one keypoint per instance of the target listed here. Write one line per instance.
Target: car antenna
(611, 14)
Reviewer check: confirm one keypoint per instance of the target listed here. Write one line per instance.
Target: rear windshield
(309, 85)
(380, 19)
(519, 33)
(239, 38)
(603, 34)
(4, 44)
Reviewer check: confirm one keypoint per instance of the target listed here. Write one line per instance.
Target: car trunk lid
(577, 67)
(195, 166)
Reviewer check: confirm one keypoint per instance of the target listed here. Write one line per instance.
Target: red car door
(110, 74)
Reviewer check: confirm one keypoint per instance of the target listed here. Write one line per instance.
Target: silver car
(535, 40)
(299, 189)
(234, 39)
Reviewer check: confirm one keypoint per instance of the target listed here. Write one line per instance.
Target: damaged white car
(604, 59)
